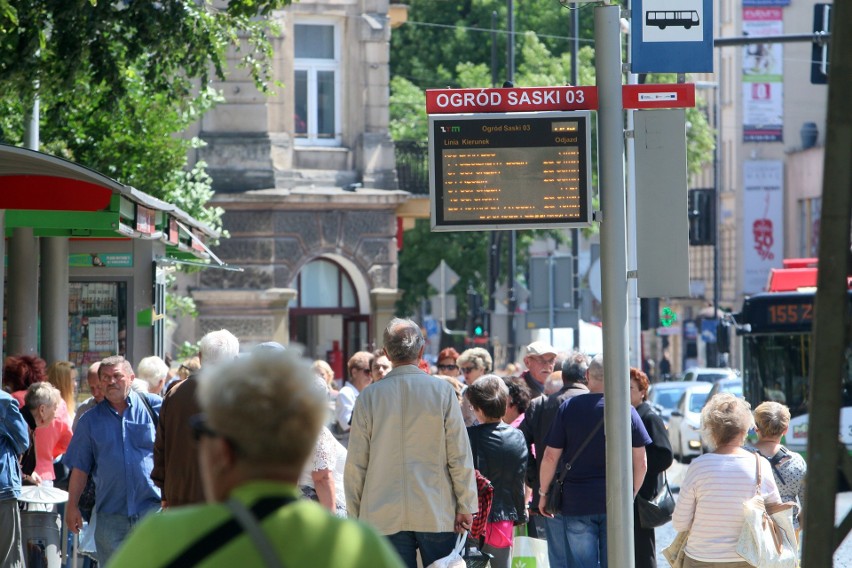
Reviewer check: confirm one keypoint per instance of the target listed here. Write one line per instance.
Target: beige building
(770, 161)
(308, 182)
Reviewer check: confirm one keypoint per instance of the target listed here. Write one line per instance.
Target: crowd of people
(231, 458)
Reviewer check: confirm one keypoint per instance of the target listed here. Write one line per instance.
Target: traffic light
(474, 313)
(702, 217)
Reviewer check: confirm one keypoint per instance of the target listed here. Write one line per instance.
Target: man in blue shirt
(14, 440)
(116, 439)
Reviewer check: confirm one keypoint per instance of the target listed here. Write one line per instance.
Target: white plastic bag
(528, 552)
(453, 559)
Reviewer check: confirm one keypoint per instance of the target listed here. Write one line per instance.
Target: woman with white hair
(261, 417)
(151, 372)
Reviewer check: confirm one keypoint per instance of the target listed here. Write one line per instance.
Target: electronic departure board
(510, 171)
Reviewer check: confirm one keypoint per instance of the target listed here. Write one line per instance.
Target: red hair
(448, 353)
(21, 371)
(642, 380)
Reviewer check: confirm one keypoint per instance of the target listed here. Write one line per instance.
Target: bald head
(94, 381)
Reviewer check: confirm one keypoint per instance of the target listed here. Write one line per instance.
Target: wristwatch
(542, 492)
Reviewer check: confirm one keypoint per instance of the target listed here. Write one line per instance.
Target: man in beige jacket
(409, 471)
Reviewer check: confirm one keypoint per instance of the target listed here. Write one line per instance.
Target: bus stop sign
(671, 36)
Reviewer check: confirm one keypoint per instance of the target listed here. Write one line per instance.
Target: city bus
(775, 332)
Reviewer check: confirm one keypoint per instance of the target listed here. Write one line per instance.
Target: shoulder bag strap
(579, 451)
(151, 413)
(251, 526)
(223, 533)
(757, 467)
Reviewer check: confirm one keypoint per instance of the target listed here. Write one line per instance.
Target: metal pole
(551, 287)
(23, 293)
(717, 197)
(54, 299)
(619, 472)
(513, 297)
(830, 329)
(575, 233)
(443, 266)
(634, 308)
(494, 48)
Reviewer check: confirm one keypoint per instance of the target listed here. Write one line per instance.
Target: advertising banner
(763, 219)
(763, 76)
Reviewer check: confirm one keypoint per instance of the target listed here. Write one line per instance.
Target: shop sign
(145, 220)
(102, 259)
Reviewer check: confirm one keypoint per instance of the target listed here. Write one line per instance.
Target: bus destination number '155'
(791, 313)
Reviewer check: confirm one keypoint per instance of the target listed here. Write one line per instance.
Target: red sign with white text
(673, 95)
(521, 99)
(532, 99)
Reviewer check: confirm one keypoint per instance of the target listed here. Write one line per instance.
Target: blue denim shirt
(122, 447)
(14, 440)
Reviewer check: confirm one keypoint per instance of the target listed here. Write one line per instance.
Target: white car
(685, 422)
(709, 374)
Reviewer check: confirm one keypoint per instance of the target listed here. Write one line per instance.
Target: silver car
(685, 422)
(665, 396)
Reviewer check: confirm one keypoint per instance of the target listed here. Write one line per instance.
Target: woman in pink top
(710, 505)
(51, 440)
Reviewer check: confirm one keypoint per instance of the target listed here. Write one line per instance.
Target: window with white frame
(316, 83)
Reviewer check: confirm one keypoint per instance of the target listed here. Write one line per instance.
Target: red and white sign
(522, 99)
(531, 99)
(675, 95)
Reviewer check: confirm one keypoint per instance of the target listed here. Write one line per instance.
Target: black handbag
(553, 499)
(657, 511)
(473, 555)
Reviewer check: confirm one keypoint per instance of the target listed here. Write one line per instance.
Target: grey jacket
(409, 466)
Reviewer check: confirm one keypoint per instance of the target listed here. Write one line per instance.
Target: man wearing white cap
(539, 360)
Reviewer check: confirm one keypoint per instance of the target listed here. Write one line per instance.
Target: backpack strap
(150, 409)
(225, 532)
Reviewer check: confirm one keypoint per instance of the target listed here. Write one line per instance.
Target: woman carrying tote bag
(718, 484)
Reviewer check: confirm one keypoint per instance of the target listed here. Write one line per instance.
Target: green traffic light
(478, 330)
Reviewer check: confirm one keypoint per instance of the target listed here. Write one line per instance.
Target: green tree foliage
(444, 45)
(439, 35)
(169, 43)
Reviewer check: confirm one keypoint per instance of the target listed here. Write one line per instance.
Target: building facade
(306, 176)
(771, 130)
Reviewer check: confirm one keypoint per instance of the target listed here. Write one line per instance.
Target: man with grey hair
(176, 470)
(537, 421)
(409, 471)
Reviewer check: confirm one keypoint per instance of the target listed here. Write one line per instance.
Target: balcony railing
(412, 166)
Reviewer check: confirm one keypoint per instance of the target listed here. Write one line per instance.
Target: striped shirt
(710, 504)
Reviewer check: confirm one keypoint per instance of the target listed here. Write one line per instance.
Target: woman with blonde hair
(789, 468)
(717, 484)
(63, 375)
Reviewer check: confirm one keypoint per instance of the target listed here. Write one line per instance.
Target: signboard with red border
(535, 99)
(520, 99)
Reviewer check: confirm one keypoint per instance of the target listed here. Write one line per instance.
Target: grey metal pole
(619, 472)
(634, 307)
(575, 233)
(54, 299)
(23, 296)
(551, 289)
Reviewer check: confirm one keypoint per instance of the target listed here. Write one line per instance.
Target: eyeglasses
(200, 429)
(467, 370)
(447, 367)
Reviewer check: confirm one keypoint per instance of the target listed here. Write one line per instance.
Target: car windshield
(696, 401)
(667, 398)
(735, 389)
(711, 377)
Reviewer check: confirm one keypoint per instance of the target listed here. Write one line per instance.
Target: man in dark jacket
(176, 470)
(538, 419)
